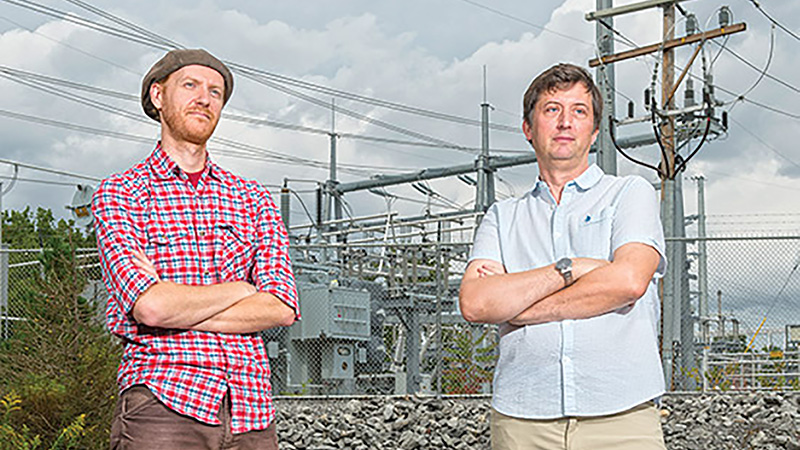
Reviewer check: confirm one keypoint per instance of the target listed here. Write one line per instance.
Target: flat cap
(173, 61)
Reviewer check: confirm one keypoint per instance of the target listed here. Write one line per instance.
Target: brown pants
(142, 422)
(636, 429)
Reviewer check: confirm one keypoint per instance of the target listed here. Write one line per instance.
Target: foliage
(59, 359)
(26, 229)
(468, 362)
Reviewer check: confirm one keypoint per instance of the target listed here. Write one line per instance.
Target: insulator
(724, 16)
(691, 24)
(725, 119)
(647, 98)
(630, 109)
(688, 94)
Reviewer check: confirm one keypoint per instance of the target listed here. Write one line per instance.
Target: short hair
(561, 77)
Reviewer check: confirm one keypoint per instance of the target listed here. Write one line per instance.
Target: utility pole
(702, 259)
(605, 76)
(677, 327)
(485, 188)
(333, 198)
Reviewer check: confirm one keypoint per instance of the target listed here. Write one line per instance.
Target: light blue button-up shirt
(590, 367)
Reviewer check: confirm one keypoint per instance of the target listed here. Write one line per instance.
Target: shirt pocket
(168, 248)
(234, 251)
(590, 233)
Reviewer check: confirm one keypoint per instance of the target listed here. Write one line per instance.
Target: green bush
(60, 360)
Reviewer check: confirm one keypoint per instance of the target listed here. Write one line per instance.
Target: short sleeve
(638, 219)
(487, 238)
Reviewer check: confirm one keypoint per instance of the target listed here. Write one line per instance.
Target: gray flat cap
(173, 61)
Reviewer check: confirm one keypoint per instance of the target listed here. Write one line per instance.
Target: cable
(683, 164)
(774, 304)
(753, 66)
(158, 40)
(517, 19)
(628, 157)
(49, 170)
(774, 22)
(35, 180)
(763, 72)
(771, 148)
(90, 55)
(16, 73)
(752, 180)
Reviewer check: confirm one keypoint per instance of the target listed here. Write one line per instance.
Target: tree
(59, 359)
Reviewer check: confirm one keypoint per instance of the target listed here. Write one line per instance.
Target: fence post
(4, 290)
(439, 285)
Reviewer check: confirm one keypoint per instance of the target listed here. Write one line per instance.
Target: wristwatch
(564, 267)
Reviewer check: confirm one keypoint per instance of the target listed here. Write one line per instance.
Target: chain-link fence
(21, 271)
(382, 317)
(739, 315)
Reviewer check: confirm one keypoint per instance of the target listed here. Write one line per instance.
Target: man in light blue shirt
(570, 271)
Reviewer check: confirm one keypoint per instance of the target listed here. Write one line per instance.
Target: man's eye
(551, 109)
(581, 111)
(188, 84)
(216, 93)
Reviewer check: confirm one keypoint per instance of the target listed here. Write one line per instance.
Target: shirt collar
(590, 177)
(164, 167)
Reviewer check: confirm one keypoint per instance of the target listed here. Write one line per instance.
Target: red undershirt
(194, 178)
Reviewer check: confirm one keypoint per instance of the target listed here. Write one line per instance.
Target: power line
(764, 143)
(17, 75)
(523, 21)
(241, 152)
(753, 66)
(774, 22)
(85, 53)
(35, 180)
(752, 180)
(49, 170)
(148, 38)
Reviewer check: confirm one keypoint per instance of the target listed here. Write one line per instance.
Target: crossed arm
(233, 307)
(490, 295)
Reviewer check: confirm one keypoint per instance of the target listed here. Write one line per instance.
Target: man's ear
(156, 95)
(526, 130)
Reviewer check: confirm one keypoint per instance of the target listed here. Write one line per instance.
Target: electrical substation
(379, 292)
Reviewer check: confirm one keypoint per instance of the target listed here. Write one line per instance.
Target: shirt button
(202, 233)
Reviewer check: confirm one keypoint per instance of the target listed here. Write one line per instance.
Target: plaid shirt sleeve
(117, 237)
(273, 271)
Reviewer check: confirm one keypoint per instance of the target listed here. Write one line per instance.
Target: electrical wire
(763, 72)
(774, 22)
(754, 67)
(773, 305)
(36, 180)
(142, 35)
(73, 48)
(16, 74)
(764, 143)
(49, 170)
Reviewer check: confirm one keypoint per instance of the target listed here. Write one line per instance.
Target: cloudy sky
(426, 54)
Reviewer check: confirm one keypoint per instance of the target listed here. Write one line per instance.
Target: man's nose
(203, 96)
(564, 120)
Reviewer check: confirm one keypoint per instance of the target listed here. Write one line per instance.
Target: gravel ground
(763, 421)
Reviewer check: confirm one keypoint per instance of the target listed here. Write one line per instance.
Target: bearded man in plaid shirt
(195, 260)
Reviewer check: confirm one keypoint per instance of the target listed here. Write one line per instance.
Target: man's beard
(177, 122)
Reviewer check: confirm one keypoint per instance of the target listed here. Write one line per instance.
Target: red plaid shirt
(226, 229)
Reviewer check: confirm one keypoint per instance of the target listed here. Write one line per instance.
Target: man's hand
(489, 267)
(143, 263)
(605, 288)
(248, 314)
